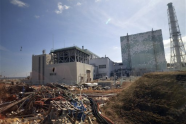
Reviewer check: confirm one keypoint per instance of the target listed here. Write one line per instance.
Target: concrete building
(118, 66)
(143, 52)
(103, 67)
(118, 70)
(72, 65)
(67, 65)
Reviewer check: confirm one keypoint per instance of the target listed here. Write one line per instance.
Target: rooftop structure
(70, 54)
(92, 55)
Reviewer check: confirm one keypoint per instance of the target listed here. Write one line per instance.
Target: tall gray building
(143, 51)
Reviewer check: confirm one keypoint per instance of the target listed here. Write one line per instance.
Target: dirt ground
(155, 98)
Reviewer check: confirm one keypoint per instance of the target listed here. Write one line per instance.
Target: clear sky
(95, 24)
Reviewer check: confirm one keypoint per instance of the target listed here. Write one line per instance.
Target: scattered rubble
(53, 103)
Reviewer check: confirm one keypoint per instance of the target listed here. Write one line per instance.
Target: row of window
(102, 66)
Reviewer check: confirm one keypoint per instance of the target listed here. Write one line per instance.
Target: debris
(52, 103)
(90, 121)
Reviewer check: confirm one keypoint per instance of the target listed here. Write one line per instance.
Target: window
(102, 66)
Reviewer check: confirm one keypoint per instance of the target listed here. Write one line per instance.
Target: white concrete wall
(35, 66)
(81, 72)
(117, 66)
(65, 73)
(103, 61)
(111, 67)
(38, 66)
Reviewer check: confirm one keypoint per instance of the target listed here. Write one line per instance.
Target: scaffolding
(177, 49)
(71, 54)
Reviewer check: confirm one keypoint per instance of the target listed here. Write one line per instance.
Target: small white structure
(103, 67)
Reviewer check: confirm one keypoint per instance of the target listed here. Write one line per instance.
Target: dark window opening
(102, 66)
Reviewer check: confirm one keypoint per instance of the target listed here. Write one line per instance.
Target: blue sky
(95, 24)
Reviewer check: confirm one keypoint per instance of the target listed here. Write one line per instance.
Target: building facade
(104, 67)
(143, 52)
(67, 65)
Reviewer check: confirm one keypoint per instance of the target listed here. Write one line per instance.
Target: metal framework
(70, 55)
(177, 49)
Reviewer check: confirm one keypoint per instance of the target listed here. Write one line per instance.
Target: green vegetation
(155, 98)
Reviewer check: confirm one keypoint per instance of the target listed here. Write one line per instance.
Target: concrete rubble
(49, 104)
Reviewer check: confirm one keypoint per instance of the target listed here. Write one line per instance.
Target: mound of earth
(155, 98)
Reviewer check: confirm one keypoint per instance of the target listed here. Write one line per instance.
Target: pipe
(105, 116)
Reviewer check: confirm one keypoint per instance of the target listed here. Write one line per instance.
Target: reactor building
(143, 52)
(67, 65)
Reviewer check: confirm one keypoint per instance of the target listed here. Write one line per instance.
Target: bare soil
(155, 98)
